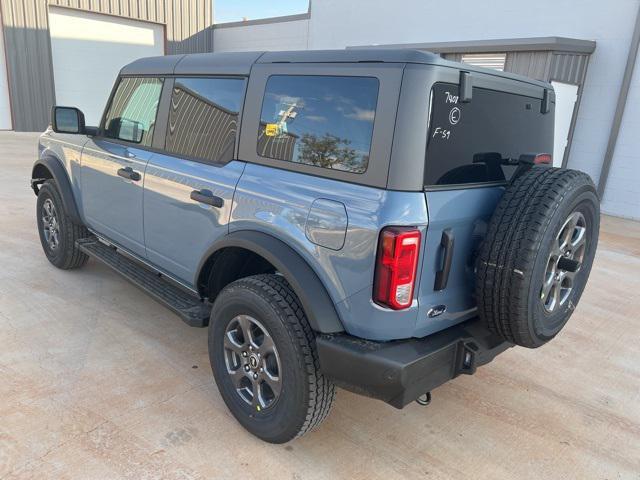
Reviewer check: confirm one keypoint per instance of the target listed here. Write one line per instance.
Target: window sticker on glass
(319, 120)
(271, 129)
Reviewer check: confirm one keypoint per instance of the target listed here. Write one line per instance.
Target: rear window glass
(480, 141)
(322, 121)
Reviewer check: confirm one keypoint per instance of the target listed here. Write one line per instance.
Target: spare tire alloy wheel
(252, 362)
(564, 262)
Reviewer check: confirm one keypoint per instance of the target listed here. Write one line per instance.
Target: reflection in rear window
(203, 118)
(322, 121)
(480, 141)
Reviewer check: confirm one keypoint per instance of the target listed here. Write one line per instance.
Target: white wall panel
(566, 96)
(622, 194)
(267, 36)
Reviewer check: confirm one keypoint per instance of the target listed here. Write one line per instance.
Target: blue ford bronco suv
(378, 220)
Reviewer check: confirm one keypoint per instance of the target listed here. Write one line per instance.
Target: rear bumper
(398, 372)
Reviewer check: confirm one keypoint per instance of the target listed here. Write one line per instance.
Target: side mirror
(125, 129)
(67, 120)
(130, 130)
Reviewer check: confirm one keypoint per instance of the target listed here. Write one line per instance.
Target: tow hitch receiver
(424, 399)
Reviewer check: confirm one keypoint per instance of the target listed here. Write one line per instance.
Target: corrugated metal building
(47, 41)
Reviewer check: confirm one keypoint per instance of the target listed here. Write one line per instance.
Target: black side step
(189, 307)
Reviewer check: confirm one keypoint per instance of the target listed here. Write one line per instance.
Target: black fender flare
(313, 295)
(59, 174)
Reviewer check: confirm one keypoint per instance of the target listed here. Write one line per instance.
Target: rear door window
(479, 142)
(203, 118)
(324, 121)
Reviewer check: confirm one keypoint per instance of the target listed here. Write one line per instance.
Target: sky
(234, 10)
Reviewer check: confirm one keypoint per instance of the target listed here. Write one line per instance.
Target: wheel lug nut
(246, 368)
(261, 369)
(244, 354)
(255, 376)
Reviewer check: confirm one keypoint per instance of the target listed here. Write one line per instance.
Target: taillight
(396, 264)
(543, 159)
(536, 158)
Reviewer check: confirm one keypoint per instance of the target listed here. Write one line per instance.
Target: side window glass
(132, 113)
(203, 118)
(324, 121)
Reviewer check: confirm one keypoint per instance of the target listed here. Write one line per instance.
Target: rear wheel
(58, 233)
(264, 360)
(536, 258)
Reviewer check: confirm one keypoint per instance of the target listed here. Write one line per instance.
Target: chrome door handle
(129, 174)
(205, 196)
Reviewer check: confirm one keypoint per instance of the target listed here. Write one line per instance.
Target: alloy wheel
(51, 226)
(252, 362)
(564, 262)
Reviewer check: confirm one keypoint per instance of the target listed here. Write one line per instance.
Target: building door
(88, 51)
(566, 96)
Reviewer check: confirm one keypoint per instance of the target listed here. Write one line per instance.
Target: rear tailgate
(471, 154)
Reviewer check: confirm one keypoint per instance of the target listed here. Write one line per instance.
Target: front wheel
(58, 233)
(264, 359)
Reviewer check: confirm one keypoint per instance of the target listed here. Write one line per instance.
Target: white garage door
(89, 49)
(5, 107)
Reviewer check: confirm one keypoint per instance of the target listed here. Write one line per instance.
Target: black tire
(306, 395)
(65, 254)
(519, 259)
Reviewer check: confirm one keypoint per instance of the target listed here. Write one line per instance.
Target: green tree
(327, 151)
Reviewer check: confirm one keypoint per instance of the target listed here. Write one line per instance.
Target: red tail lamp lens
(396, 266)
(543, 158)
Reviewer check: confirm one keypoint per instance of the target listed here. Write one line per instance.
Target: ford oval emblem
(436, 311)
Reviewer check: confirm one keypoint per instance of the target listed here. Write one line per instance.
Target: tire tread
(322, 392)
(72, 256)
(511, 246)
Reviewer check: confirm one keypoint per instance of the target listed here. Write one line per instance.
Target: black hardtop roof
(240, 63)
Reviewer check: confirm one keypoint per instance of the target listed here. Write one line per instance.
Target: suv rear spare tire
(536, 257)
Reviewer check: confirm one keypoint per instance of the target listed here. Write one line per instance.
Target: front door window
(132, 113)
